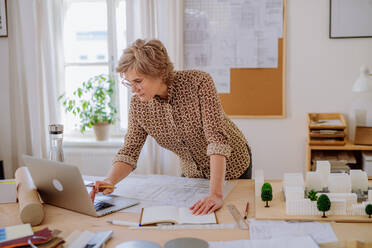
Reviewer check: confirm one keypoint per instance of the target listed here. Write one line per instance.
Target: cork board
(258, 92)
(276, 211)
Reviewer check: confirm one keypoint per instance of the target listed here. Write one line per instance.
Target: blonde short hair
(149, 58)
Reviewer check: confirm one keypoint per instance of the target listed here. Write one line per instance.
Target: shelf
(349, 146)
(328, 129)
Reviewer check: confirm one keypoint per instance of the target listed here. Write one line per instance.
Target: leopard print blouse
(191, 123)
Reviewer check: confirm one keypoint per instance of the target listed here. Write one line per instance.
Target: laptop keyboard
(99, 205)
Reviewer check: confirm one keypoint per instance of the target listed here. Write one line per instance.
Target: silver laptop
(61, 185)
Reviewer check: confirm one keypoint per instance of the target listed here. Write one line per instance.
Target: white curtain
(163, 20)
(34, 58)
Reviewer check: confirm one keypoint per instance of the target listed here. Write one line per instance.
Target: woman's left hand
(207, 205)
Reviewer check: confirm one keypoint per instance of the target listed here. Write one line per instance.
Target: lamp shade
(362, 83)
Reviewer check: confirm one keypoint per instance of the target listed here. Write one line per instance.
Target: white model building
(359, 209)
(293, 186)
(301, 207)
(324, 168)
(340, 186)
(338, 207)
(293, 180)
(359, 180)
(350, 198)
(313, 181)
(294, 193)
(258, 181)
(339, 183)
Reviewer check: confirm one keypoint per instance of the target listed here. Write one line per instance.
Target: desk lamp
(362, 84)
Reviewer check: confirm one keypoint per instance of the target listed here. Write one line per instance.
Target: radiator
(94, 161)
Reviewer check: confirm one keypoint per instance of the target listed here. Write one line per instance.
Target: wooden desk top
(68, 221)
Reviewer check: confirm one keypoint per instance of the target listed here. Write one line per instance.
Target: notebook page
(186, 217)
(159, 214)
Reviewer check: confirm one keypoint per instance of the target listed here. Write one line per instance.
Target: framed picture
(350, 19)
(3, 19)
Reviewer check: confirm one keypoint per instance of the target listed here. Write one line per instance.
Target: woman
(182, 111)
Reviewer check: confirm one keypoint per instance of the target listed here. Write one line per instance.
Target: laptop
(62, 185)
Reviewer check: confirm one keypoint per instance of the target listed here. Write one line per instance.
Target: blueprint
(160, 190)
(224, 34)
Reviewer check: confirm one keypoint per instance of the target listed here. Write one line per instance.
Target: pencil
(246, 211)
(103, 186)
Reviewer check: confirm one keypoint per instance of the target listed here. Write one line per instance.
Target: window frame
(112, 58)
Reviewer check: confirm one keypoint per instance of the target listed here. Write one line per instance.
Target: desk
(68, 221)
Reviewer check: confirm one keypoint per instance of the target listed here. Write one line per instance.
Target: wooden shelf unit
(349, 146)
(326, 129)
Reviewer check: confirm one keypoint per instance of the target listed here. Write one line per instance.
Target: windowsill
(113, 142)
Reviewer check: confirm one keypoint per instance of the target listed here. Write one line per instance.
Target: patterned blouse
(191, 123)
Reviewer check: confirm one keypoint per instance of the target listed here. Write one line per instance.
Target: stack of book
(25, 236)
(326, 129)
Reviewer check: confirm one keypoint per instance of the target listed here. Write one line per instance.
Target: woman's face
(143, 86)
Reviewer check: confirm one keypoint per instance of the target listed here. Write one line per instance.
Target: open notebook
(171, 214)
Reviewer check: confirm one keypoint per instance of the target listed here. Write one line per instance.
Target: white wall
(5, 139)
(320, 74)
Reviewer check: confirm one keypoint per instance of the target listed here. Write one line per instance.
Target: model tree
(369, 210)
(323, 204)
(312, 195)
(266, 193)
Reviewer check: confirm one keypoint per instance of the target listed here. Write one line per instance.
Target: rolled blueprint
(30, 206)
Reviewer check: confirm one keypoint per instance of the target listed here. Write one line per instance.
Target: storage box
(363, 135)
(367, 163)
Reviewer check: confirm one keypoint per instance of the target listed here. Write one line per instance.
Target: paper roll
(30, 207)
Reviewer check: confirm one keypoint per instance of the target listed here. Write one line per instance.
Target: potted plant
(312, 195)
(91, 103)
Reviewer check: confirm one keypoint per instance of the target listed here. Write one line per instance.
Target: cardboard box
(363, 135)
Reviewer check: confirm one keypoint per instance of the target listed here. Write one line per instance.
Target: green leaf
(91, 102)
(80, 92)
(61, 96)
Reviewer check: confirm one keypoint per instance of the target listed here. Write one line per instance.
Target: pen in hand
(102, 186)
(246, 211)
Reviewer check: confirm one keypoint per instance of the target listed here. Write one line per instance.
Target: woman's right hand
(99, 187)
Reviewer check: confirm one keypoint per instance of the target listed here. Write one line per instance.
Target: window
(94, 38)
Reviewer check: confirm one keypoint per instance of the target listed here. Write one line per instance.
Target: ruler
(240, 222)
(185, 227)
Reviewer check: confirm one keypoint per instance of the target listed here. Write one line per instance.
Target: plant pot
(102, 131)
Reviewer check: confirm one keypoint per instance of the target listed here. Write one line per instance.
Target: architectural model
(258, 181)
(349, 194)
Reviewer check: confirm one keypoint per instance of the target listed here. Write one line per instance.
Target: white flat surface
(287, 242)
(320, 232)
